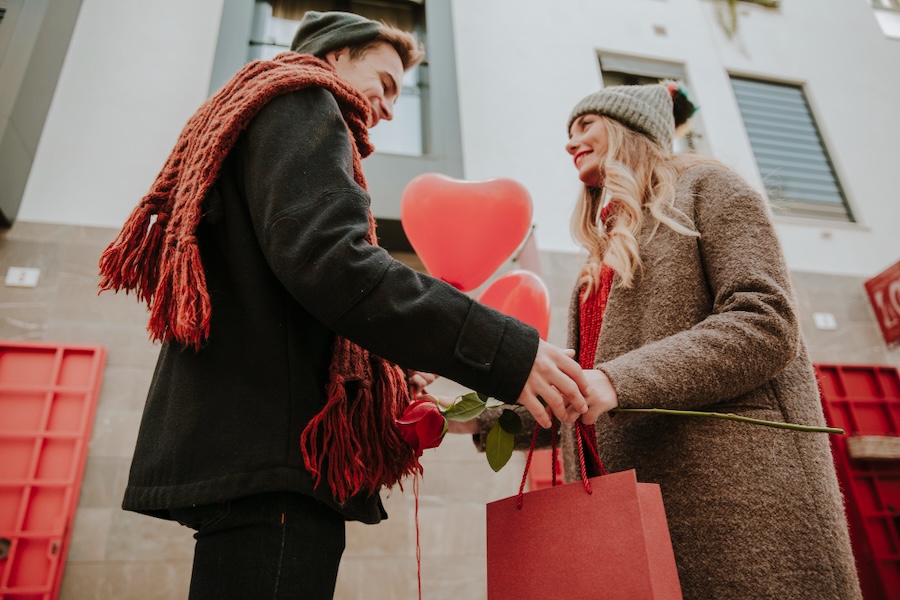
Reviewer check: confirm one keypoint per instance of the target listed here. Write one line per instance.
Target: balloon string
(418, 545)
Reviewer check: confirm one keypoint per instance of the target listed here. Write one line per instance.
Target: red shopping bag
(603, 538)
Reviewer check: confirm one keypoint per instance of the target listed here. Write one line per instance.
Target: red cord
(527, 467)
(554, 452)
(588, 432)
(583, 433)
(580, 446)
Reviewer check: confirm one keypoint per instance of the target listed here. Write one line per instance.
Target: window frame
(652, 70)
(782, 205)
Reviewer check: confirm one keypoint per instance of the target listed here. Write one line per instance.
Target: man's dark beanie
(322, 32)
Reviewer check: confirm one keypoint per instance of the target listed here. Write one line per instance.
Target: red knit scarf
(592, 307)
(590, 317)
(590, 320)
(156, 256)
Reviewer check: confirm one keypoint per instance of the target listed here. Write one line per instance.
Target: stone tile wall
(115, 554)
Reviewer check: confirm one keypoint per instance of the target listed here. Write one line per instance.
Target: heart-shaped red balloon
(464, 230)
(523, 295)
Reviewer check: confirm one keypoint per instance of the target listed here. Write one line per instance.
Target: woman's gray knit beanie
(644, 108)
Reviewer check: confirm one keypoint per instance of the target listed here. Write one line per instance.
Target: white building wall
(523, 64)
(134, 73)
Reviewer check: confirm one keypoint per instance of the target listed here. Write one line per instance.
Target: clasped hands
(556, 386)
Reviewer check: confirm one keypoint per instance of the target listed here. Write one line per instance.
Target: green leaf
(493, 403)
(466, 408)
(499, 447)
(511, 422)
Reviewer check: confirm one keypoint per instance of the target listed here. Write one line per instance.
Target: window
(793, 161)
(275, 22)
(423, 137)
(626, 70)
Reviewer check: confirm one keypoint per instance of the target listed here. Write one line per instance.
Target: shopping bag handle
(585, 435)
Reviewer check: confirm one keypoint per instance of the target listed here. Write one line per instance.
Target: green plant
(728, 16)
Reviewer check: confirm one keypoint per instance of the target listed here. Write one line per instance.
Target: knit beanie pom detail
(682, 106)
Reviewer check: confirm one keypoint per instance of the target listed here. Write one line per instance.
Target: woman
(685, 302)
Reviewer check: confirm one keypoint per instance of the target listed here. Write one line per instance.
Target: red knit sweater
(591, 318)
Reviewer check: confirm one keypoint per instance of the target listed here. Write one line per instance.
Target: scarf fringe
(132, 261)
(354, 445)
(124, 264)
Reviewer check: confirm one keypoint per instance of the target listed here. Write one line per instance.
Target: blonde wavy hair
(636, 173)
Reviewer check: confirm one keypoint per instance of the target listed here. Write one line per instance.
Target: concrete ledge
(874, 447)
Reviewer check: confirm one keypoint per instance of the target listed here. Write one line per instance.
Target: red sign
(884, 294)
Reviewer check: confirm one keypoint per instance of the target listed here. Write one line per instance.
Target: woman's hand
(602, 397)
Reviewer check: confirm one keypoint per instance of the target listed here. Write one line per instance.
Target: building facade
(800, 98)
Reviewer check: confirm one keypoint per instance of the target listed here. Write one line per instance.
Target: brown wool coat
(711, 324)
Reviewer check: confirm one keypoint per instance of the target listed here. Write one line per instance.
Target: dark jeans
(276, 545)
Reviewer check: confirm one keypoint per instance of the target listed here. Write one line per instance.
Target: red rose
(422, 425)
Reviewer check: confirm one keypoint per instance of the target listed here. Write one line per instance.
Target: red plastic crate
(48, 398)
(865, 400)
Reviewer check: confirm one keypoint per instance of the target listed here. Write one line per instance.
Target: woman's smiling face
(588, 145)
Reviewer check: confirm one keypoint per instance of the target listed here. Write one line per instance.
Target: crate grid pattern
(865, 401)
(48, 398)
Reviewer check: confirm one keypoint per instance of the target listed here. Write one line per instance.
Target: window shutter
(792, 159)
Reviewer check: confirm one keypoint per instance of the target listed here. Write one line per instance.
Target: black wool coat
(287, 267)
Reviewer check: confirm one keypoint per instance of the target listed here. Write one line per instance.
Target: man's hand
(419, 380)
(557, 380)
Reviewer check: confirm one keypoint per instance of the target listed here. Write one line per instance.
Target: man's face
(378, 75)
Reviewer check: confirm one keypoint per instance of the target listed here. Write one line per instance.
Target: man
(270, 418)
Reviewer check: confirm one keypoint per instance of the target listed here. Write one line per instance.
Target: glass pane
(402, 134)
